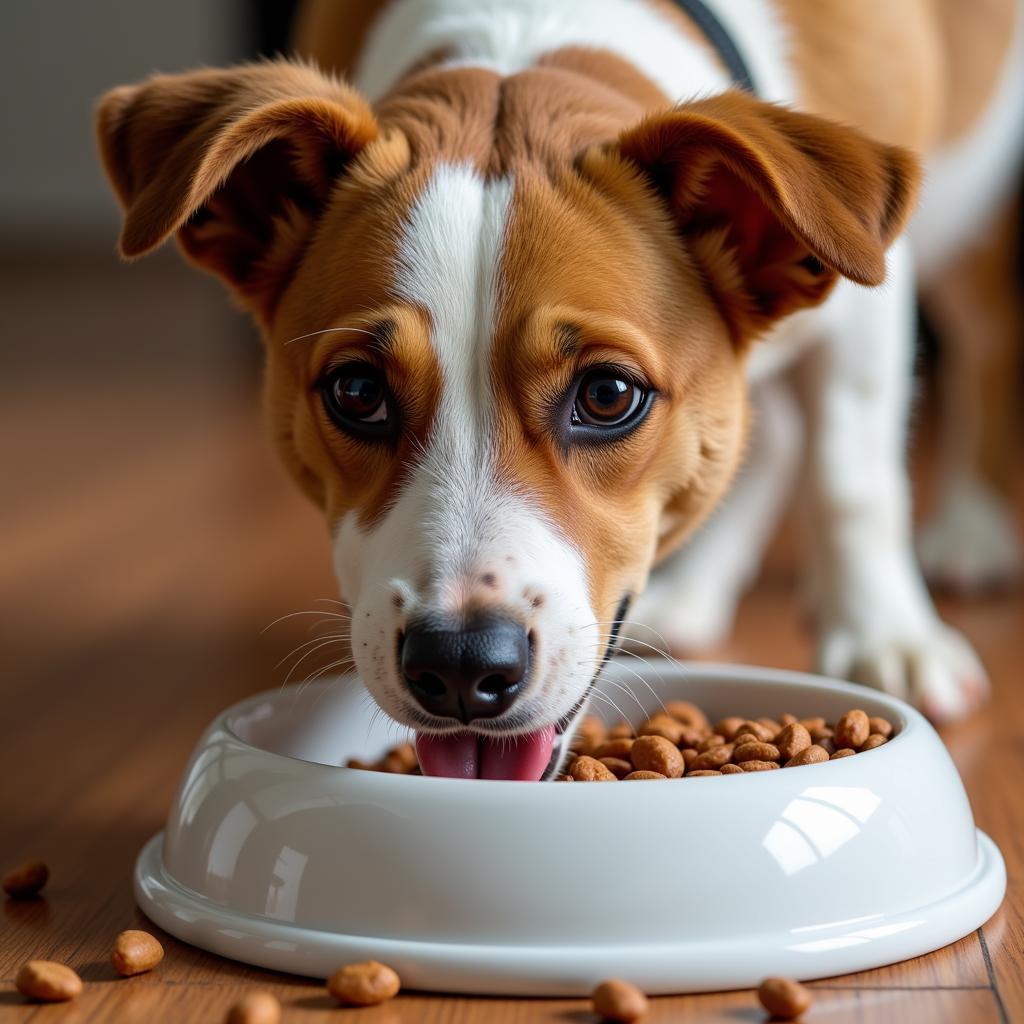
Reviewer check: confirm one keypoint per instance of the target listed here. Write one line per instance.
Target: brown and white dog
(517, 283)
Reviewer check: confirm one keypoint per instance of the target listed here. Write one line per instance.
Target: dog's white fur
(875, 619)
(455, 523)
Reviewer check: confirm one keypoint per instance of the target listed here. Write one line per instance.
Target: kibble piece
(787, 719)
(813, 723)
(876, 739)
(852, 729)
(844, 752)
(761, 732)
(615, 748)
(771, 725)
(689, 756)
(728, 727)
(792, 739)
(364, 984)
(657, 754)
(26, 879)
(619, 1001)
(692, 737)
(255, 1008)
(135, 952)
(758, 766)
(698, 774)
(824, 733)
(664, 726)
(755, 752)
(812, 755)
(47, 981)
(588, 769)
(641, 776)
(714, 740)
(401, 760)
(881, 726)
(828, 745)
(565, 778)
(731, 769)
(784, 998)
(623, 730)
(617, 766)
(687, 713)
(713, 758)
(589, 735)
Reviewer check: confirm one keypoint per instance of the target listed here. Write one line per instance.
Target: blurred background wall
(57, 57)
(131, 447)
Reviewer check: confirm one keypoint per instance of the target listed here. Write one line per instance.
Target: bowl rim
(907, 722)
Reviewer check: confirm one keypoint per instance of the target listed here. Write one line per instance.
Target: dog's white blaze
(454, 522)
(509, 35)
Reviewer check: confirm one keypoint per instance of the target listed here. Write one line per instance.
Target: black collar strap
(718, 36)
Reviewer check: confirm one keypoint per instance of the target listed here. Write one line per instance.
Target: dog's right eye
(357, 399)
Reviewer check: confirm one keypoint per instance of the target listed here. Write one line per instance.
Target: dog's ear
(772, 203)
(238, 162)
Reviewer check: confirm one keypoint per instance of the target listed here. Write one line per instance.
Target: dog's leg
(970, 541)
(691, 600)
(876, 622)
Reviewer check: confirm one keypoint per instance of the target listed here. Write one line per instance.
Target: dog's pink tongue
(465, 756)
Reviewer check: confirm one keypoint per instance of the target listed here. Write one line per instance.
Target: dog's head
(506, 323)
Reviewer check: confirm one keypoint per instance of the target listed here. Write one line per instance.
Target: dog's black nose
(473, 672)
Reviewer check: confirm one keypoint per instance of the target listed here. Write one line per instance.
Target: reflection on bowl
(276, 856)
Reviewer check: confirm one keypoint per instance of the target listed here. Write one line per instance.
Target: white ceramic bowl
(275, 856)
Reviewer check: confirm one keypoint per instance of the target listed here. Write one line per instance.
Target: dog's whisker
(311, 643)
(321, 642)
(663, 651)
(341, 663)
(642, 678)
(292, 615)
(331, 330)
(632, 671)
(608, 700)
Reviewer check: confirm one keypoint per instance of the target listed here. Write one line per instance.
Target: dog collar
(718, 36)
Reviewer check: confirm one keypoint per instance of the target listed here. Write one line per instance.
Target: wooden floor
(146, 539)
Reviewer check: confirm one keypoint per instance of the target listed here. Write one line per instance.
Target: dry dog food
(48, 982)
(135, 952)
(784, 998)
(399, 760)
(365, 984)
(619, 1001)
(255, 1008)
(26, 880)
(680, 742)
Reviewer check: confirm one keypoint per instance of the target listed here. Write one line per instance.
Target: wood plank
(126, 1001)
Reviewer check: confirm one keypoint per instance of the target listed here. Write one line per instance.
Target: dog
(538, 282)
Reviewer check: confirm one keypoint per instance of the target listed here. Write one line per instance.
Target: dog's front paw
(935, 669)
(971, 544)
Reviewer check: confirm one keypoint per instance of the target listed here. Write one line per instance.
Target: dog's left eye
(605, 399)
(356, 397)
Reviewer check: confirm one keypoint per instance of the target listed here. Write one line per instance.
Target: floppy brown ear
(773, 204)
(238, 162)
